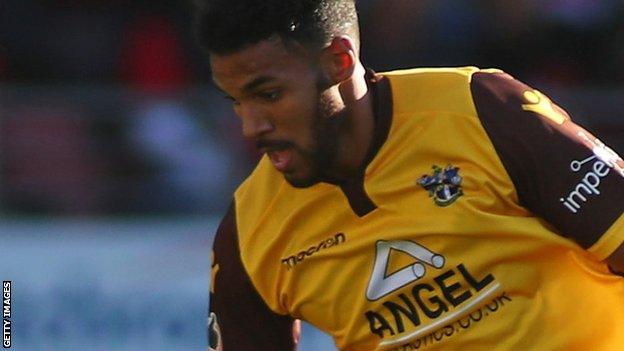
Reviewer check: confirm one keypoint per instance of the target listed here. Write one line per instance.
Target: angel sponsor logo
(457, 326)
(430, 303)
(294, 260)
(429, 306)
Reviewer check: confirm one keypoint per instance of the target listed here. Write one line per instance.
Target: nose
(256, 121)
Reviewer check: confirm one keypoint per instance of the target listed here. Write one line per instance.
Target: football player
(438, 208)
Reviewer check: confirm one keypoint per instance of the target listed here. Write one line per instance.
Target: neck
(356, 131)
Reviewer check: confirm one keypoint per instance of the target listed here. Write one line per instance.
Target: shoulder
(561, 171)
(499, 90)
(461, 73)
(434, 89)
(233, 296)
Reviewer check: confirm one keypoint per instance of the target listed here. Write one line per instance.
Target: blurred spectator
(190, 168)
(153, 59)
(48, 164)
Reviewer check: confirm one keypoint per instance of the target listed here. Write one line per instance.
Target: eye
(234, 101)
(270, 95)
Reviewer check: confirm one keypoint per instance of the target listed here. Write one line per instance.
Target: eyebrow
(257, 82)
(249, 87)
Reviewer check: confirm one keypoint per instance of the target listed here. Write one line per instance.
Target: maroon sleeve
(239, 319)
(561, 172)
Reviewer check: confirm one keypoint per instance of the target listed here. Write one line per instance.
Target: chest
(401, 267)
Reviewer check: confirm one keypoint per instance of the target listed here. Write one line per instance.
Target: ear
(339, 59)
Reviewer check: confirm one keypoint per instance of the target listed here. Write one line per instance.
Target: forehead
(269, 58)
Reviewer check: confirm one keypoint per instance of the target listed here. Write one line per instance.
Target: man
(438, 209)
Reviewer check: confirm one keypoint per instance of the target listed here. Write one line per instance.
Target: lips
(281, 159)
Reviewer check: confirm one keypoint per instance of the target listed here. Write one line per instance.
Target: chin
(301, 182)
(305, 174)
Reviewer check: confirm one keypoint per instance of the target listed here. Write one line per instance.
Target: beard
(321, 156)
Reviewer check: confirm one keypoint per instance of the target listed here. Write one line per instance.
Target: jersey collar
(353, 189)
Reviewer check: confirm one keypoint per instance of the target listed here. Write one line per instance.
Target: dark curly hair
(226, 26)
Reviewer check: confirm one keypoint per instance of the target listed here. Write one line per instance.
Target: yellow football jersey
(480, 222)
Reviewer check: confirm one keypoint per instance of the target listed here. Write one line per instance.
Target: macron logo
(293, 260)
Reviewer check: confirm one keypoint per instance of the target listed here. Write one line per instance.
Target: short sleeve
(561, 172)
(239, 319)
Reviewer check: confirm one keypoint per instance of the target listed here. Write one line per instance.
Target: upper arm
(239, 319)
(561, 172)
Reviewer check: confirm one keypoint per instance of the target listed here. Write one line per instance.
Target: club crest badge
(444, 185)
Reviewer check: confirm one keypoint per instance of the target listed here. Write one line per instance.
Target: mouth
(281, 158)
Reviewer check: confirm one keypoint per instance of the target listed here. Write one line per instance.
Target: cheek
(298, 112)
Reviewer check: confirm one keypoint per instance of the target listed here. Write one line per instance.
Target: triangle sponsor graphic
(398, 260)
(386, 277)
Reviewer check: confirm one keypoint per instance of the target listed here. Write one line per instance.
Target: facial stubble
(325, 129)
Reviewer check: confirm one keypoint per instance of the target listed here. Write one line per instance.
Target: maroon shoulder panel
(239, 318)
(561, 172)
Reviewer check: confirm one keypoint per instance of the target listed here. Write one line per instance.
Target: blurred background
(118, 156)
